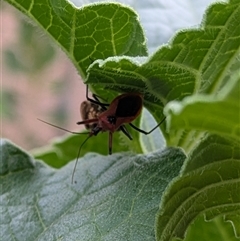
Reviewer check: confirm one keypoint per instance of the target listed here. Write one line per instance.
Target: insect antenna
(78, 155)
(61, 128)
(73, 132)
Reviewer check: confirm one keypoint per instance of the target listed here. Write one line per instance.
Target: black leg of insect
(95, 100)
(147, 132)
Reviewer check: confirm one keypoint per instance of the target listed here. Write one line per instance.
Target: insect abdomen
(129, 106)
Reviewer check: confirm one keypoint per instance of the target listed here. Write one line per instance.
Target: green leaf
(234, 220)
(216, 229)
(218, 114)
(209, 184)
(91, 32)
(114, 197)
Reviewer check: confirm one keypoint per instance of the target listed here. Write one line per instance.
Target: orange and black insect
(123, 110)
(101, 117)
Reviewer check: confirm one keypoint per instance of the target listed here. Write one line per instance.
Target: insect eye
(112, 119)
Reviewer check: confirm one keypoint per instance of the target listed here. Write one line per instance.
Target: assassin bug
(123, 110)
(98, 116)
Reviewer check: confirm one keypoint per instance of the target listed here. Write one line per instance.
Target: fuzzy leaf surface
(209, 184)
(113, 198)
(218, 114)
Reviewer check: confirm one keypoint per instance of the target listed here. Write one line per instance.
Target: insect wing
(88, 111)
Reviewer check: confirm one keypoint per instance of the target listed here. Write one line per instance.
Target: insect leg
(87, 121)
(110, 143)
(95, 100)
(125, 131)
(103, 106)
(147, 132)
